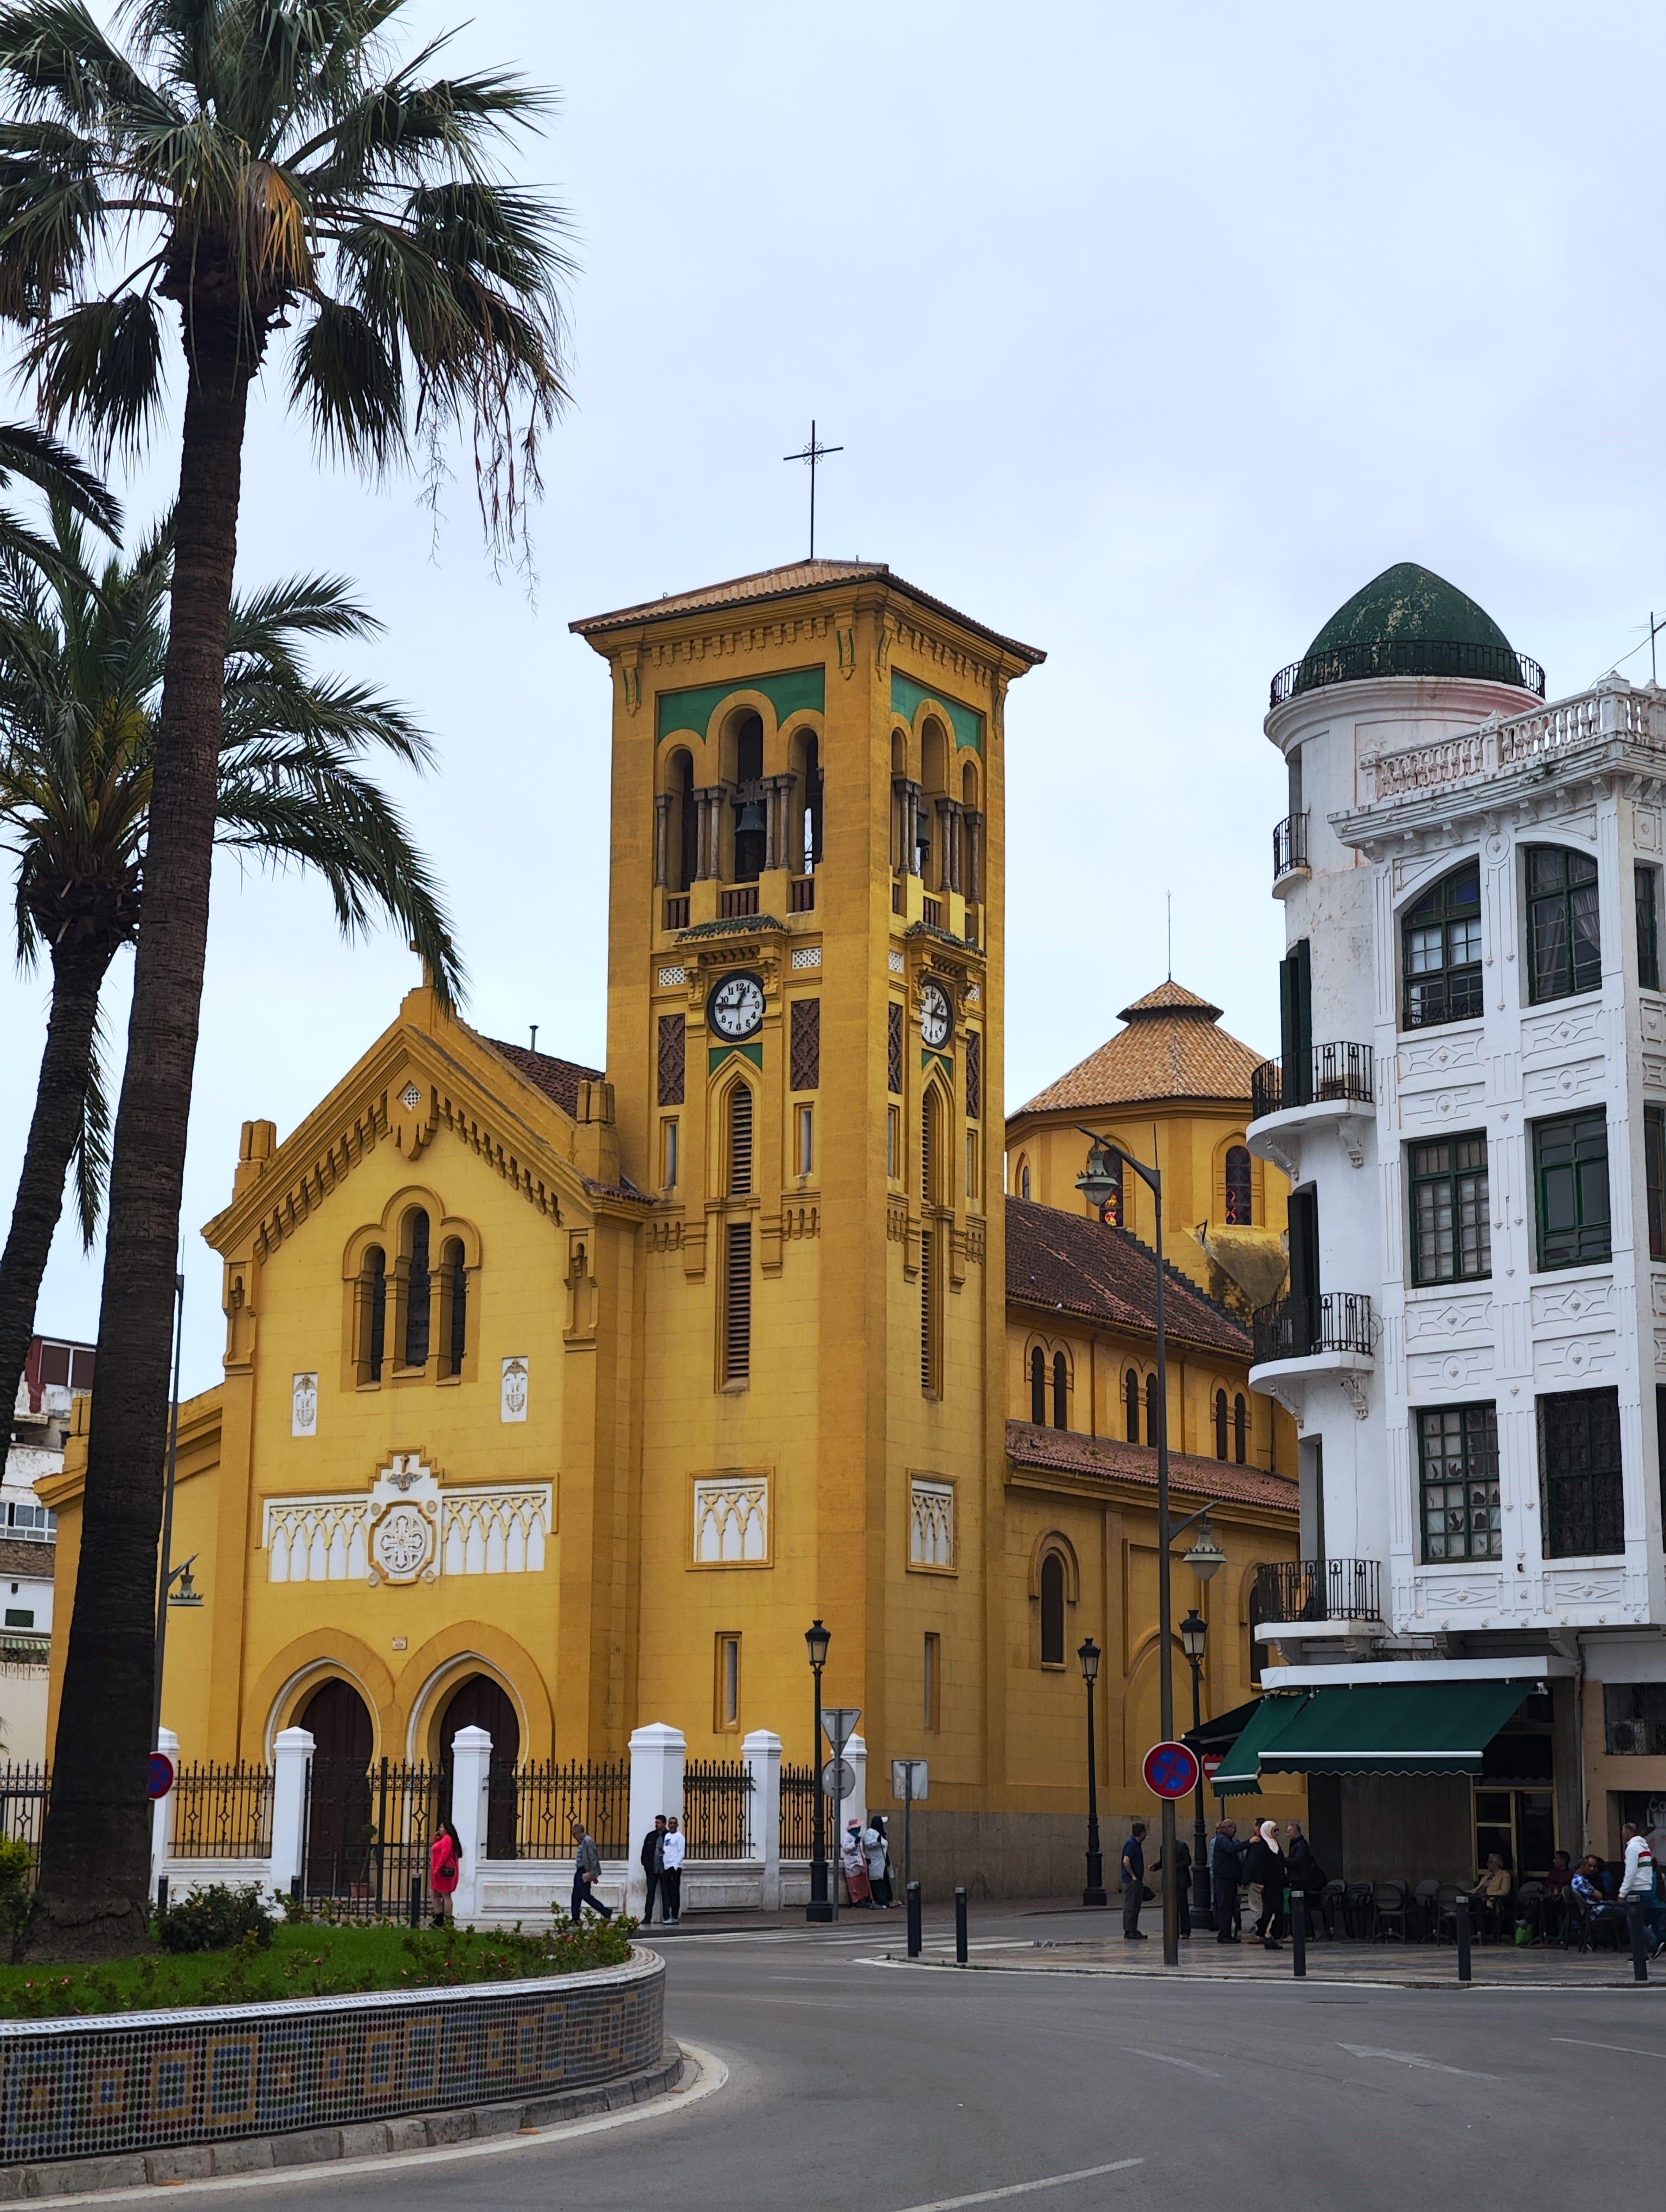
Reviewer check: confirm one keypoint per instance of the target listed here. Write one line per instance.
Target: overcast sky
(1150, 334)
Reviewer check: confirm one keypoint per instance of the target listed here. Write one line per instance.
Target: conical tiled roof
(1171, 1049)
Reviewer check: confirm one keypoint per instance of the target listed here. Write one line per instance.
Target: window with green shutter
(1451, 1232)
(1571, 1172)
(1440, 952)
(1564, 938)
(1457, 1453)
(1653, 1177)
(1581, 1489)
(1646, 880)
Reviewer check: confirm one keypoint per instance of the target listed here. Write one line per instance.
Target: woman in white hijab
(1264, 1867)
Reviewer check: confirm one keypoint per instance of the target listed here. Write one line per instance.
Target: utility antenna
(534, 1030)
(815, 454)
(1169, 896)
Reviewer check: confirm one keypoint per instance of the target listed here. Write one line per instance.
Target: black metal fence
(222, 1813)
(797, 1814)
(1318, 1590)
(369, 1834)
(1327, 1074)
(1364, 657)
(23, 1794)
(1296, 1327)
(531, 1808)
(1289, 846)
(716, 1799)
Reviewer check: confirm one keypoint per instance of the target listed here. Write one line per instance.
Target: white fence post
(162, 1814)
(471, 1779)
(292, 1760)
(761, 1752)
(657, 1754)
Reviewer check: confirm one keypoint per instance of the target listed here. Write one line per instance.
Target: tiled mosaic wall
(83, 2087)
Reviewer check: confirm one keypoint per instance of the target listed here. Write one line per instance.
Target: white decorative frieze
(1580, 1586)
(1457, 1105)
(1551, 1087)
(807, 955)
(732, 1521)
(1564, 1030)
(1652, 1021)
(1572, 1305)
(1565, 1362)
(303, 1406)
(513, 1391)
(1414, 1062)
(931, 1523)
(1439, 1320)
(409, 1528)
(1470, 1593)
(1434, 1373)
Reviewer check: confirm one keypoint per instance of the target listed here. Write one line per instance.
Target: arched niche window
(1061, 1391)
(454, 1306)
(1564, 936)
(933, 785)
(738, 1141)
(751, 834)
(417, 1303)
(1240, 1200)
(370, 1332)
(1052, 1580)
(1440, 952)
(806, 855)
(1240, 1428)
(683, 860)
(1021, 1180)
(1150, 1407)
(1131, 1406)
(1220, 1424)
(1039, 1387)
(933, 1172)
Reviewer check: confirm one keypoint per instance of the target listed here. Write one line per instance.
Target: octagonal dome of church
(1408, 622)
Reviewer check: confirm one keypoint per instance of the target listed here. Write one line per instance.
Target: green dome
(1408, 622)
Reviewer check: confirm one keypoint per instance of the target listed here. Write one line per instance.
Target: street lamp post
(1194, 1634)
(820, 1907)
(1095, 1892)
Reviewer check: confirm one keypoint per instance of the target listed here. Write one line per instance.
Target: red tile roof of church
(1171, 1049)
(1075, 1266)
(1062, 1451)
(557, 1079)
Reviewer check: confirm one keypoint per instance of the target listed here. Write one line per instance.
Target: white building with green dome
(1469, 1101)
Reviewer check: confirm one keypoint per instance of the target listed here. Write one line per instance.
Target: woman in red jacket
(445, 1864)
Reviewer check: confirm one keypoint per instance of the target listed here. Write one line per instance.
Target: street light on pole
(819, 1907)
(1095, 1892)
(1193, 1635)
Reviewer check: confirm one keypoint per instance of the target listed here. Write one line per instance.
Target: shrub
(215, 1918)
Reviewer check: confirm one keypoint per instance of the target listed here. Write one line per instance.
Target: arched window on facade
(1440, 952)
(1131, 1405)
(682, 835)
(1220, 1424)
(1061, 1391)
(1038, 1386)
(1240, 1428)
(418, 1290)
(371, 1334)
(454, 1306)
(750, 836)
(807, 858)
(1150, 1407)
(1052, 1610)
(1022, 1179)
(1240, 1199)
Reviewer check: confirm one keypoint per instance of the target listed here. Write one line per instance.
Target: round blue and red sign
(1171, 1770)
(159, 1779)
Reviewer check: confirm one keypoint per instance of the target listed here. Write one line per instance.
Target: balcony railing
(801, 895)
(932, 910)
(1407, 656)
(1289, 846)
(677, 912)
(1327, 1074)
(1318, 1590)
(733, 905)
(1297, 1328)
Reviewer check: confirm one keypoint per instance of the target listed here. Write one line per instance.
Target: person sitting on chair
(1491, 1898)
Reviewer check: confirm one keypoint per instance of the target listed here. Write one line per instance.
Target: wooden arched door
(479, 1702)
(339, 1836)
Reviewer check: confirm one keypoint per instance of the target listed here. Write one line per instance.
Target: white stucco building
(1470, 1102)
(56, 1372)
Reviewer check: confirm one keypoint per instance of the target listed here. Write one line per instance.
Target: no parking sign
(1171, 1770)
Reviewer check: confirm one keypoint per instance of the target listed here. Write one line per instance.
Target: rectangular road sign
(910, 1781)
(839, 1721)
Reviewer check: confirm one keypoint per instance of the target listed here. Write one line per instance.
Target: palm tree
(257, 167)
(81, 675)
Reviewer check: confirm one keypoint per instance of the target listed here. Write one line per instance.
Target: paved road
(900, 2090)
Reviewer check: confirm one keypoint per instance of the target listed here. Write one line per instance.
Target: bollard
(415, 1900)
(960, 1927)
(915, 1942)
(295, 1889)
(1297, 1933)
(1640, 1946)
(1461, 1914)
(161, 1897)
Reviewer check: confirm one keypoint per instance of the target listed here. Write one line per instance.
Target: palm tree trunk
(60, 1100)
(96, 1854)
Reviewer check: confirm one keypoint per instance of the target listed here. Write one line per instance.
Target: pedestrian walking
(1265, 1872)
(586, 1871)
(1639, 1880)
(673, 1852)
(1134, 1883)
(653, 1858)
(876, 1849)
(1226, 1877)
(853, 1859)
(445, 1869)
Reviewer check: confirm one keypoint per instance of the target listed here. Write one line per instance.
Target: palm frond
(40, 460)
(101, 364)
(90, 1164)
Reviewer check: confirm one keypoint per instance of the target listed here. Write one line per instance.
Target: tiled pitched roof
(1066, 1262)
(782, 583)
(557, 1079)
(1171, 1049)
(1061, 1451)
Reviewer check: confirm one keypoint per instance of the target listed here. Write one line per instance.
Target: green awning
(1372, 1727)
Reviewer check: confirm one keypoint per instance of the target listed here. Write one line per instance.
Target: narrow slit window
(372, 1324)
(738, 1302)
(419, 1290)
(1240, 1428)
(931, 1678)
(1220, 1424)
(1240, 1201)
(893, 1141)
(670, 1162)
(806, 1140)
(1131, 1406)
(740, 1140)
(1061, 1391)
(455, 1291)
(727, 1699)
(930, 1334)
(1039, 1387)
(1052, 1610)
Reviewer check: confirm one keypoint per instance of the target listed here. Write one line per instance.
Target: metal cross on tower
(813, 453)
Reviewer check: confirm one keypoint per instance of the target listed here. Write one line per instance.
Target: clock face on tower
(735, 1007)
(936, 1016)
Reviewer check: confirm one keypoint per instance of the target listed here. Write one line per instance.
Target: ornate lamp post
(1194, 1634)
(819, 1907)
(1095, 1892)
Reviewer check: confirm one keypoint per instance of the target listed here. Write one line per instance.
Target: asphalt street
(897, 2089)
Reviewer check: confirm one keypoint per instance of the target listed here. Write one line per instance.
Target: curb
(254, 2155)
(1180, 1978)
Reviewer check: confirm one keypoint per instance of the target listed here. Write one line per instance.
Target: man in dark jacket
(1134, 1882)
(653, 1855)
(1225, 1873)
(1307, 1876)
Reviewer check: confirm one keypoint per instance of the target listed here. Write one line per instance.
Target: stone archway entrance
(339, 1835)
(479, 1702)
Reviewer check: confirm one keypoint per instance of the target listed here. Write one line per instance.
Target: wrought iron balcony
(1318, 1590)
(1299, 1327)
(1329, 1074)
(1289, 846)
(1407, 656)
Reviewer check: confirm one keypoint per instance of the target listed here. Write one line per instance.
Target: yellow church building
(561, 1399)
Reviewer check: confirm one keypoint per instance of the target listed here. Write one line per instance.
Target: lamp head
(1089, 1655)
(818, 1638)
(1101, 1178)
(1194, 1634)
(1206, 1557)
